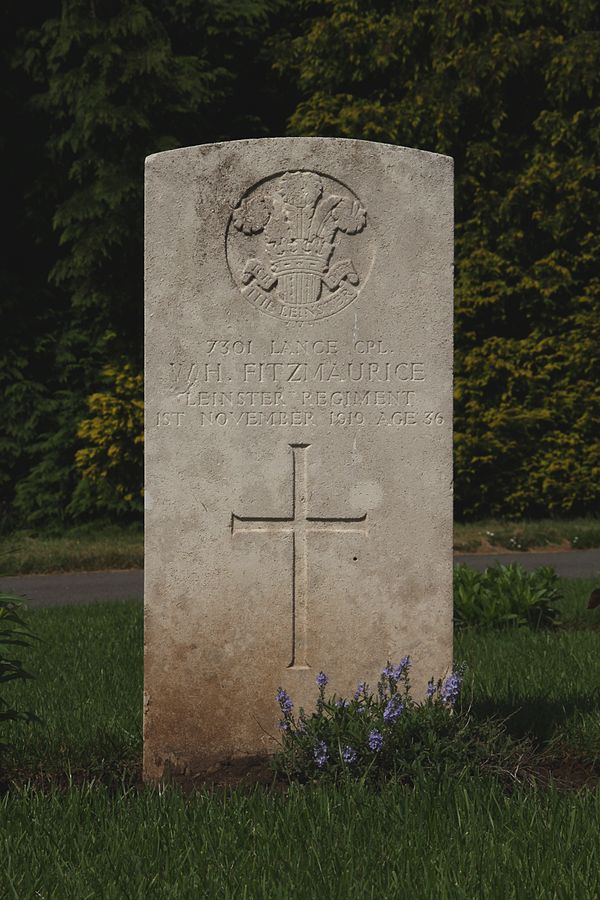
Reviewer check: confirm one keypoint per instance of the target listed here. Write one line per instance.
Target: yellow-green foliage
(510, 91)
(110, 459)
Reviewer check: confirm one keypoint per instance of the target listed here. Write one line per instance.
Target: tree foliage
(510, 90)
(104, 85)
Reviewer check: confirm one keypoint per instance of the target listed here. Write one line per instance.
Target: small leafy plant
(13, 633)
(385, 734)
(504, 596)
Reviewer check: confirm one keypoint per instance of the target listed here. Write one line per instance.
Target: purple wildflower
(401, 668)
(430, 688)
(393, 709)
(321, 754)
(349, 755)
(285, 702)
(322, 679)
(285, 725)
(361, 690)
(375, 740)
(388, 672)
(451, 688)
(342, 703)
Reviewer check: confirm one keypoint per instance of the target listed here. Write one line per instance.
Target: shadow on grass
(535, 717)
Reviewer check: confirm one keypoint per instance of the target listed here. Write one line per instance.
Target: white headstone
(298, 433)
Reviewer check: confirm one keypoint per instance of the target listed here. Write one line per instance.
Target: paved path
(72, 588)
(568, 563)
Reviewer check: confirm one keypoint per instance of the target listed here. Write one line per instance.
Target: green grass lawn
(105, 836)
(458, 840)
(79, 549)
(492, 534)
(92, 547)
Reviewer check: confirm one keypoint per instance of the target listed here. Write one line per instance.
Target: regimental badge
(286, 257)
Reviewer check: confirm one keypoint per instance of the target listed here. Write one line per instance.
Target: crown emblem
(294, 274)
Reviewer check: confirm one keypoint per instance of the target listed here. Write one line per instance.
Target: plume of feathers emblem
(300, 225)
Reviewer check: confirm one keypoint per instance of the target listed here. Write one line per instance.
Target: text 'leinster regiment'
(252, 399)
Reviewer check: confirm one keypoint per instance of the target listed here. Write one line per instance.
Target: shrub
(13, 633)
(386, 735)
(504, 596)
(110, 459)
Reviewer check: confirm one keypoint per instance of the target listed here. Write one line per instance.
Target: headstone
(298, 433)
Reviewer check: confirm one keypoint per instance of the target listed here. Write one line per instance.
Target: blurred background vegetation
(509, 88)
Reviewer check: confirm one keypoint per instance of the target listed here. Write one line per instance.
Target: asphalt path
(75, 588)
(568, 563)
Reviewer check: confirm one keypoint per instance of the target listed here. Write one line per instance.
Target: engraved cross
(299, 525)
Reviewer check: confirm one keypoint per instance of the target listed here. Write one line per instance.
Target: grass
(88, 665)
(545, 684)
(93, 836)
(573, 608)
(87, 548)
(101, 546)
(458, 841)
(492, 534)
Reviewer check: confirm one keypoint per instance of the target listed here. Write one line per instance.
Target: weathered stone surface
(298, 432)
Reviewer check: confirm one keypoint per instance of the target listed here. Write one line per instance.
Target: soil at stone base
(564, 773)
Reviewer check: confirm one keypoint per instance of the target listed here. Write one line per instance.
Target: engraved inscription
(300, 525)
(283, 240)
(281, 382)
(262, 372)
(169, 418)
